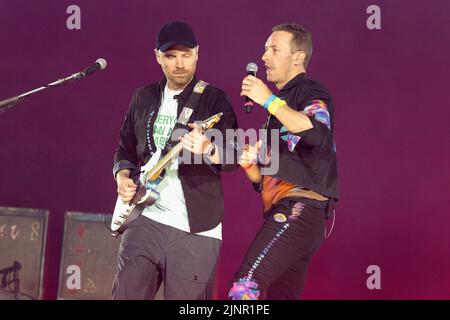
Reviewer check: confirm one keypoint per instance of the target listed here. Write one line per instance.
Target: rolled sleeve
(317, 106)
(122, 165)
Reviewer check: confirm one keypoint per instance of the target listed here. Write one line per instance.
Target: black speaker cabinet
(89, 257)
(23, 234)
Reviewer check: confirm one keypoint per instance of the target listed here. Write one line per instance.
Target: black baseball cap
(175, 33)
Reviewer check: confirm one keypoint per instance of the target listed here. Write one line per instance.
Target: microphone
(99, 64)
(252, 68)
(7, 104)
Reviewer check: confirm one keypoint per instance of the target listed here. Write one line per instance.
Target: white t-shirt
(170, 209)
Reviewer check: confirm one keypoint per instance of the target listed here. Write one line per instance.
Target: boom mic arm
(7, 104)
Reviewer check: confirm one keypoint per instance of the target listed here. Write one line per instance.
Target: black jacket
(200, 182)
(312, 164)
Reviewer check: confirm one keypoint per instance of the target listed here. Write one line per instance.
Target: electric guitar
(149, 179)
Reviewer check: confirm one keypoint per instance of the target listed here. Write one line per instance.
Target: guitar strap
(185, 114)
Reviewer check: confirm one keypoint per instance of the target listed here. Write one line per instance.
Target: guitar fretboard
(164, 161)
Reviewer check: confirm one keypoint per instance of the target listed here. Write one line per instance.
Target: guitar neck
(164, 161)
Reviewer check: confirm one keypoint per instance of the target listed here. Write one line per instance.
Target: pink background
(392, 113)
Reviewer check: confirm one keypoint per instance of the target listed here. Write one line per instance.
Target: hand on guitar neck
(198, 143)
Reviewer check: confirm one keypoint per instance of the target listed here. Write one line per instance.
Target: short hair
(301, 39)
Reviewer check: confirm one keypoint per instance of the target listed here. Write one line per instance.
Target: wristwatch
(211, 150)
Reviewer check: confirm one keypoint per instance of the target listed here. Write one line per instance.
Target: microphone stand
(11, 102)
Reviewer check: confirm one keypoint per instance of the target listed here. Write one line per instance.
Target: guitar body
(146, 195)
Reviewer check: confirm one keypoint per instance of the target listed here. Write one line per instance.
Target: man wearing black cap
(176, 240)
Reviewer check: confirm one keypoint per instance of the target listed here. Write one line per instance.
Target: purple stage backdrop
(389, 86)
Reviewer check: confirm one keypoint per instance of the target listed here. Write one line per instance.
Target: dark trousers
(276, 263)
(151, 252)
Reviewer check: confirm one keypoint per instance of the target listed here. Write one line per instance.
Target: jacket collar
(183, 97)
(186, 93)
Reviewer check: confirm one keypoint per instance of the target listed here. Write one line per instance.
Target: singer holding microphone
(301, 195)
